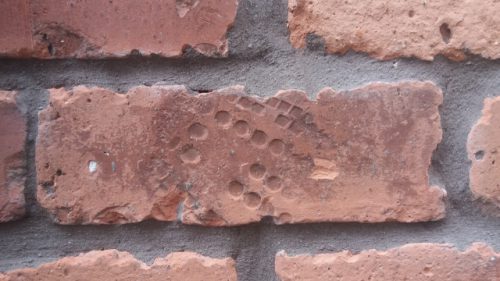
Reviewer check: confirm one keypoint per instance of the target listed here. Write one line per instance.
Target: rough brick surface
(12, 168)
(430, 262)
(223, 158)
(483, 147)
(389, 29)
(95, 28)
(115, 265)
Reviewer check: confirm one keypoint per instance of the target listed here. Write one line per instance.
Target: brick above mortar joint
(100, 29)
(12, 163)
(439, 262)
(391, 29)
(115, 265)
(225, 158)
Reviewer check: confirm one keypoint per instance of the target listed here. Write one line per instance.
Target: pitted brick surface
(390, 29)
(95, 28)
(483, 146)
(430, 262)
(115, 265)
(12, 164)
(225, 158)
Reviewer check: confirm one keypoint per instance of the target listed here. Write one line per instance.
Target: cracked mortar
(262, 59)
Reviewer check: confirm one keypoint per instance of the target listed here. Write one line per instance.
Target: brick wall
(249, 140)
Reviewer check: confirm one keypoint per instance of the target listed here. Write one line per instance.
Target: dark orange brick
(95, 28)
(12, 164)
(416, 262)
(216, 159)
(115, 265)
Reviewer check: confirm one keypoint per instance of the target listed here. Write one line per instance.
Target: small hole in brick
(89, 100)
(51, 49)
(479, 155)
(411, 13)
(59, 172)
(445, 31)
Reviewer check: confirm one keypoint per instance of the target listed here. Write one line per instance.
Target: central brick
(225, 158)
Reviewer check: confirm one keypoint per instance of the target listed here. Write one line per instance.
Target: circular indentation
(191, 155)
(259, 138)
(92, 166)
(241, 128)
(198, 131)
(235, 188)
(479, 155)
(411, 13)
(257, 171)
(273, 183)
(283, 218)
(223, 118)
(251, 199)
(276, 146)
(445, 31)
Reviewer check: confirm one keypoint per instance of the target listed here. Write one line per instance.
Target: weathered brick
(224, 158)
(389, 29)
(430, 262)
(95, 28)
(12, 166)
(482, 149)
(115, 265)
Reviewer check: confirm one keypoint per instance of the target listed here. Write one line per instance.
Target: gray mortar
(262, 59)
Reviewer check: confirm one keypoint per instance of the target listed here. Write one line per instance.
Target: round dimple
(273, 183)
(251, 199)
(257, 171)
(235, 188)
(198, 131)
(276, 146)
(283, 218)
(259, 138)
(223, 118)
(479, 155)
(241, 128)
(191, 156)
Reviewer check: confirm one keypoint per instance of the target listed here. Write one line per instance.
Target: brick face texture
(12, 170)
(483, 152)
(222, 158)
(115, 265)
(95, 28)
(389, 29)
(430, 262)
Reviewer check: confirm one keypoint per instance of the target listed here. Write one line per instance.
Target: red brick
(482, 149)
(95, 28)
(390, 29)
(115, 265)
(430, 262)
(223, 158)
(12, 164)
